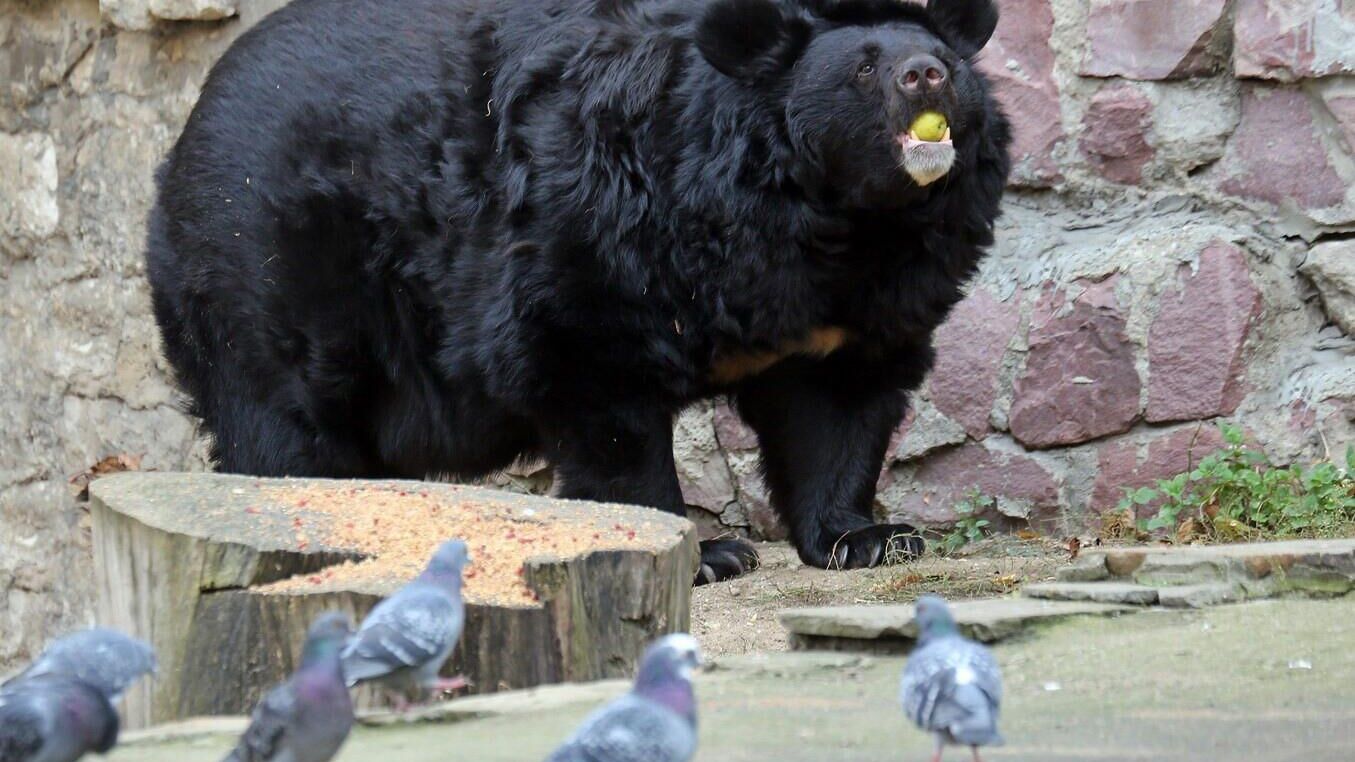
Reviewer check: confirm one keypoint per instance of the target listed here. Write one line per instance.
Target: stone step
(890, 629)
(1096, 592)
(1317, 567)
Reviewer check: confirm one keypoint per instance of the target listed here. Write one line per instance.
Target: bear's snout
(921, 75)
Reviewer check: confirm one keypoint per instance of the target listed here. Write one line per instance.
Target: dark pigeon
(406, 639)
(307, 718)
(654, 722)
(951, 685)
(54, 718)
(102, 658)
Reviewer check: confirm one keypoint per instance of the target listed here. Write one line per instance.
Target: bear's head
(850, 77)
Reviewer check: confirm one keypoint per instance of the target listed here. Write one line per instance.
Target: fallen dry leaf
(1074, 547)
(110, 465)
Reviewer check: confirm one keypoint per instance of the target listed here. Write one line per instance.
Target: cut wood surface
(222, 574)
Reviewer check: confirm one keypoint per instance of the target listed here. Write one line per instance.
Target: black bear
(428, 237)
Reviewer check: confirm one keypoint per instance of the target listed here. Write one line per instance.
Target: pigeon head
(448, 561)
(137, 655)
(666, 671)
(145, 656)
(933, 618)
(326, 638)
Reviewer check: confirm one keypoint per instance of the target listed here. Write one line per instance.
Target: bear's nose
(921, 74)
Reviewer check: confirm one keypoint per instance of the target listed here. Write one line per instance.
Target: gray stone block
(1198, 596)
(1096, 592)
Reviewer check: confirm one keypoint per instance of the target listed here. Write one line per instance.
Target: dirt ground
(739, 616)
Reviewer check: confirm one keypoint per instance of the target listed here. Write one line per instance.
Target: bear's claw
(725, 559)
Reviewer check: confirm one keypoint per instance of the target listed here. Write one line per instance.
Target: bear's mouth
(926, 161)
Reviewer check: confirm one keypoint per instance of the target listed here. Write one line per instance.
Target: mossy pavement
(1265, 681)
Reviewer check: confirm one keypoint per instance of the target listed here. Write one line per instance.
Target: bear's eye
(865, 70)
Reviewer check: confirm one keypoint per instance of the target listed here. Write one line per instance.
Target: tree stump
(222, 574)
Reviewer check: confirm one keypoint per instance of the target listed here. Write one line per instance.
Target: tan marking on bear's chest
(729, 368)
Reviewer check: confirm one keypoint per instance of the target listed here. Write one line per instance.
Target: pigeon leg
(449, 684)
(940, 746)
(975, 749)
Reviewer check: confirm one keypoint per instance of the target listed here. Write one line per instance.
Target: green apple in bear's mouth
(930, 126)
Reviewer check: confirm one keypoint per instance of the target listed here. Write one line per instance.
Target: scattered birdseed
(396, 529)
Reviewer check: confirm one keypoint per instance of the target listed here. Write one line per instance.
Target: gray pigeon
(54, 718)
(951, 685)
(105, 659)
(306, 718)
(406, 639)
(654, 722)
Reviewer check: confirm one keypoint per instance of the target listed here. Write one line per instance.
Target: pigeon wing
(954, 686)
(267, 730)
(924, 683)
(987, 675)
(409, 629)
(630, 729)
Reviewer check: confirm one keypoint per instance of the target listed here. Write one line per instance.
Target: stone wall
(1172, 254)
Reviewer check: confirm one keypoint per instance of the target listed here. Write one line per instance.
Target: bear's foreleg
(625, 455)
(823, 427)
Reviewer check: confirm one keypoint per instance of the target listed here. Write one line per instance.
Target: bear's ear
(966, 24)
(750, 40)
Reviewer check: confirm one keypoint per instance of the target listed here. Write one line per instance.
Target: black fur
(430, 237)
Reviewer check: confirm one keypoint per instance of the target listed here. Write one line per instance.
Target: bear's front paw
(872, 546)
(725, 559)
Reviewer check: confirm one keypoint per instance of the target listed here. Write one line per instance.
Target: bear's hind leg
(823, 428)
(250, 437)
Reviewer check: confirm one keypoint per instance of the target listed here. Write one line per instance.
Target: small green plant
(969, 527)
(1237, 494)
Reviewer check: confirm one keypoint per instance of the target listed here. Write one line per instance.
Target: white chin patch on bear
(927, 161)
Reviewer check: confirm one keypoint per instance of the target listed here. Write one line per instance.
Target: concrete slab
(1265, 681)
(1096, 592)
(1198, 596)
(891, 629)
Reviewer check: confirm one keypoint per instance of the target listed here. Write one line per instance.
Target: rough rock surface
(963, 383)
(1340, 102)
(1293, 39)
(32, 211)
(1114, 133)
(142, 15)
(1019, 60)
(1131, 462)
(924, 430)
(1153, 39)
(1277, 154)
(1105, 190)
(1331, 266)
(1080, 382)
(1196, 344)
(1025, 489)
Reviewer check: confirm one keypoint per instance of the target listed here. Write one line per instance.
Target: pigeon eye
(865, 70)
